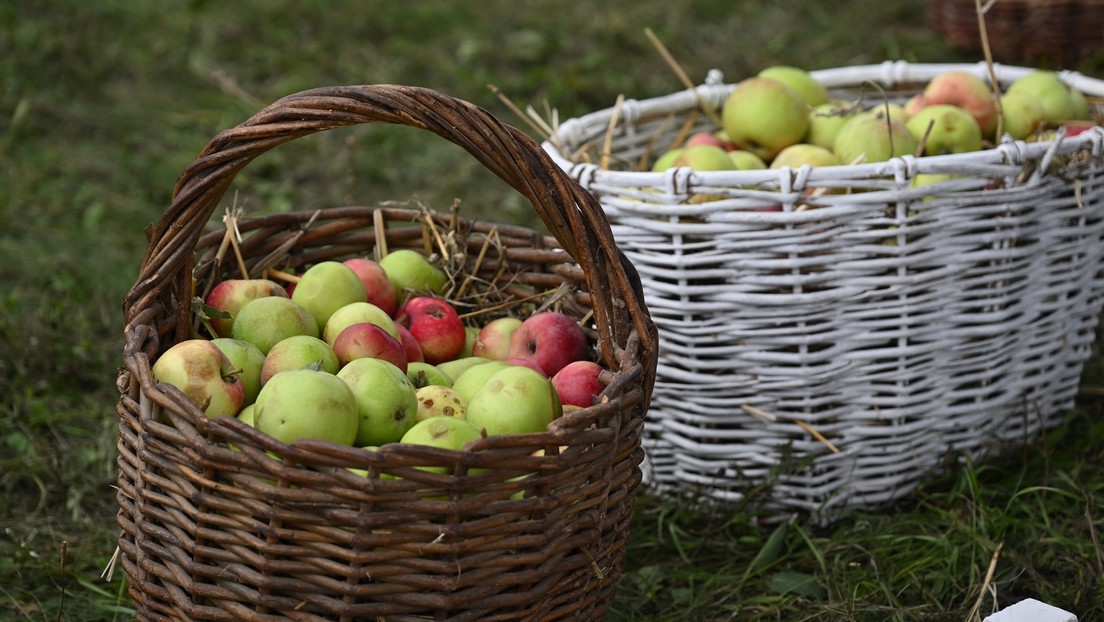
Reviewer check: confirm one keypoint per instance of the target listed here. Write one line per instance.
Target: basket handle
(572, 214)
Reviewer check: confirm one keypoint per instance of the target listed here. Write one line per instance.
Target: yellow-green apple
(423, 374)
(248, 359)
(438, 401)
(763, 115)
(874, 138)
(471, 333)
(306, 403)
(412, 272)
(326, 287)
(743, 160)
(1024, 114)
(230, 295)
(552, 339)
(436, 327)
(378, 289)
(368, 340)
(825, 122)
(1051, 91)
(704, 158)
(299, 352)
(409, 344)
(813, 93)
(204, 375)
(443, 432)
(494, 337)
(246, 415)
(943, 128)
(452, 369)
(967, 91)
(579, 383)
(356, 313)
(467, 383)
(796, 156)
(1082, 109)
(385, 398)
(666, 159)
(515, 400)
(265, 321)
(705, 137)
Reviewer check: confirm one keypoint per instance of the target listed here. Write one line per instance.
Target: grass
(101, 106)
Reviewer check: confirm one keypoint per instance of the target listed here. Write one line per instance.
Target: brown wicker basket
(222, 522)
(1062, 33)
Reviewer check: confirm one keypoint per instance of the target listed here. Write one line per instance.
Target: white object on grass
(1031, 610)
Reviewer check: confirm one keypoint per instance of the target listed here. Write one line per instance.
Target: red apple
(378, 288)
(231, 295)
(368, 340)
(436, 326)
(204, 374)
(493, 341)
(550, 338)
(524, 362)
(413, 350)
(579, 383)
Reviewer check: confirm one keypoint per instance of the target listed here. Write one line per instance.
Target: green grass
(103, 103)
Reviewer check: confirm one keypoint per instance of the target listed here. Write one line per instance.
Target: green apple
(743, 160)
(471, 333)
(967, 91)
(246, 357)
(386, 400)
(944, 128)
(1051, 91)
(667, 159)
(443, 432)
(812, 92)
(200, 370)
(455, 367)
(1082, 109)
(305, 403)
(299, 352)
(796, 156)
(357, 313)
(704, 158)
(246, 415)
(468, 382)
(423, 374)
(825, 122)
(875, 138)
(326, 287)
(230, 295)
(764, 116)
(265, 321)
(1024, 114)
(515, 400)
(438, 401)
(412, 272)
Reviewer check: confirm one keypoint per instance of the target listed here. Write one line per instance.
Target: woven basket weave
(221, 522)
(1061, 32)
(839, 355)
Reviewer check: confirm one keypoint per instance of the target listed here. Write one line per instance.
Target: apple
(265, 321)
(453, 369)
(466, 384)
(579, 383)
(873, 137)
(386, 400)
(377, 287)
(231, 295)
(412, 272)
(368, 340)
(914, 104)
(299, 352)
(704, 158)
(813, 93)
(356, 313)
(515, 400)
(825, 122)
(438, 401)
(943, 128)
(423, 374)
(763, 115)
(796, 156)
(246, 415)
(493, 341)
(709, 138)
(409, 344)
(306, 403)
(967, 91)
(1082, 109)
(1051, 91)
(551, 338)
(443, 432)
(326, 287)
(743, 160)
(471, 333)
(436, 327)
(248, 359)
(524, 362)
(667, 159)
(204, 375)
(1024, 114)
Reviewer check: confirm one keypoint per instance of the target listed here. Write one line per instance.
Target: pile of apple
(784, 117)
(364, 353)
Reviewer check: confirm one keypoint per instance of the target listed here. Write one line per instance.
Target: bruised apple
(204, 375)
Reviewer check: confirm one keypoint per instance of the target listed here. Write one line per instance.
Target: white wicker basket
(840, 355)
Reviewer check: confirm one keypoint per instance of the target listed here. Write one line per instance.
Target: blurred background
(102, 104)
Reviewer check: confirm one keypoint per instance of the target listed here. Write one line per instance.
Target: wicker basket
(1061, 32)
(837, 356)
(222, 522)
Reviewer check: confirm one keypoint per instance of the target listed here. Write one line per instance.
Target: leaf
(202, 310)
(798, 583)
(771, 551)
